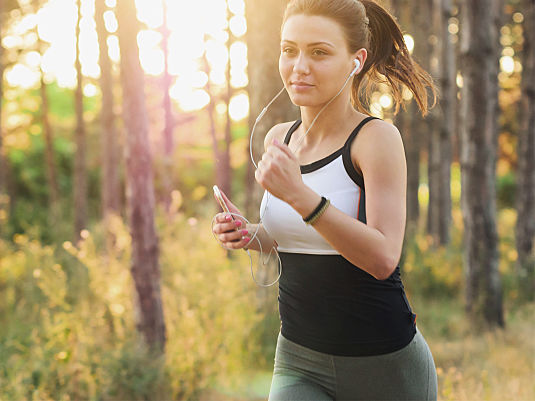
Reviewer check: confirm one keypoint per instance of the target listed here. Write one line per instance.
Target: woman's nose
(301, 65)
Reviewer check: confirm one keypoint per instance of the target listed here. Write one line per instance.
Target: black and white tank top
(325, 302)
(334, 177)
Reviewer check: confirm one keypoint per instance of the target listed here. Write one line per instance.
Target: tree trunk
(446, 133)
(525, 189)
(263, 46)
(140, 189)
(3, 164)
(479, 62)
(433, 120)
(110, 186)
(8, 195)
(411, 138)
(223, 167)
(169, 120)
(420, 127)
(80, 167)
(439, 216)
(412, 154)
(50, 160)
(210, 108)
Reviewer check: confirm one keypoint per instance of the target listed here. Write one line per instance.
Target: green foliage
(30, 208)
(430, 270)
(134, 373)
(68, 329)
(27, 163)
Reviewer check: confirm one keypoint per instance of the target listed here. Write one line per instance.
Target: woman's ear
(361, 55)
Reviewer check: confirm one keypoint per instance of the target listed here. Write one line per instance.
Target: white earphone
(357, 66)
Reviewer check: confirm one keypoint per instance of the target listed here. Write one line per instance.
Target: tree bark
(440, 149)
(479, 60)
(525, 189)
(223, 167)
(50, 159)
(3, 176)
(211, 111)
(169, 119)
(110, 186)
(210, 108)
(80, 166)
(405, 124)
(8, 196)
(264, 20)
(140, 188)
(448, 114)
(434, 119)
(422, 126)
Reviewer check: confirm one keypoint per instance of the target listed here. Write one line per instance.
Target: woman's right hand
(231, 230)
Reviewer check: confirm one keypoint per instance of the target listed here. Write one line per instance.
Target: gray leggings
(304, 374)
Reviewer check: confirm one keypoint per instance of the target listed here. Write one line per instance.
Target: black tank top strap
(291, 131)
(346, 154)
(357, 129)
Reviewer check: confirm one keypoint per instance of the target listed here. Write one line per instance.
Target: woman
(337, 212)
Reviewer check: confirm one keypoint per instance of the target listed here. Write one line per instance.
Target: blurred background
(118, 116)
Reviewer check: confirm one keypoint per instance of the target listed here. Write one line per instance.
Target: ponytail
(390, 61)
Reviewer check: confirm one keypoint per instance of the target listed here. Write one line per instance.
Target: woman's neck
(335, 118)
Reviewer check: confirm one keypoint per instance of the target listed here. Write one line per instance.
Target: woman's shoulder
(376, 136)
(377, 131)
(278, 132)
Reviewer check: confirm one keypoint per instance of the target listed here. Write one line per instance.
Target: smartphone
(219, 197)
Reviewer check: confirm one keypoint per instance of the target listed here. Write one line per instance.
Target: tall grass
(67, 317)
(67, 320)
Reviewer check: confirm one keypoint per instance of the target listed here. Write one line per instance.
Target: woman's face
(314, 61)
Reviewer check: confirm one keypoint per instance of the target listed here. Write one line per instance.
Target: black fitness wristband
(316, 210)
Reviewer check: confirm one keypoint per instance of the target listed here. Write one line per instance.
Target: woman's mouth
(300, 85)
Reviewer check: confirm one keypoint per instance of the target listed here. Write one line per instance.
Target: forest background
(117, 117)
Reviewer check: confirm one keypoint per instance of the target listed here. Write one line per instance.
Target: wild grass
(67, 320)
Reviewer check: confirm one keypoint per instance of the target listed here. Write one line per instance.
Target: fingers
(225, 222)
(273, 161)
(238, 244)
(234, 221)
(229, 204)
(231, 238)
(270, 159)
(285, 149)
(235, 239)
(233, 234)
(277, 153)
(223, 218)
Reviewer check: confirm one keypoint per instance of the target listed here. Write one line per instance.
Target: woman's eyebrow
(309, 45)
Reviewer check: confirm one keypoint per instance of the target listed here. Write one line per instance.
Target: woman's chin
(302, 101)
(305, 104)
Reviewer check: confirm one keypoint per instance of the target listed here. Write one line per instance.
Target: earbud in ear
(357, 66)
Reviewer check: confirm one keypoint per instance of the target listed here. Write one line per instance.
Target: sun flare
(194, 34)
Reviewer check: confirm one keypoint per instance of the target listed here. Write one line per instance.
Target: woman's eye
(318, 52)
(288, 50)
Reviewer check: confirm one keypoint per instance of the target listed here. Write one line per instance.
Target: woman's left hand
(279, 172)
